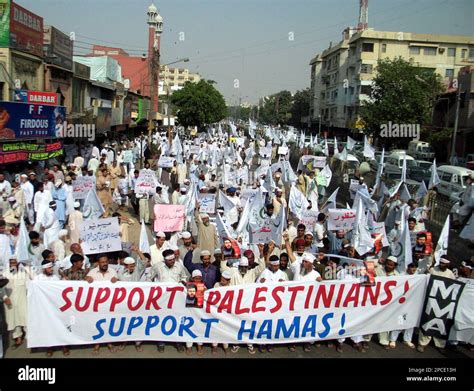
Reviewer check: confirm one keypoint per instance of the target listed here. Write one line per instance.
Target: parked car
(420, 150)
(394, 162)
(470, 161)
(452, 181)
(420, 172)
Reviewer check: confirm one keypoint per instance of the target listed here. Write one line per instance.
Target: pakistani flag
(92, 208)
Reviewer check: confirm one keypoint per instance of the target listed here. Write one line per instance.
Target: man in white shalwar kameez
(74, 223)
(41, 201)
(51, 225)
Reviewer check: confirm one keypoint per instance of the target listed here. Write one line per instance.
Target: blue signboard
(24, 120)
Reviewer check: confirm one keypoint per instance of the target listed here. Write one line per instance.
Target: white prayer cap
(62, 233)
(77, 204)
(196, 273)
(444, 260)
(171, 256)
(393, 259)
(204, 216)
(23, 176)
(183, 189)
(11, 199)
(205, 253)
(160, 234)
(187, 181)
(278, 190)
(59, 182)
(217, 251)
(185, 235)
(275, 262)
(174, 247)
(129, 261)
(47, 265)
(244, 261)
(373, 259)
(226, 274)
(308, 233)
(204, 188)
(308, 257)
(397, 222)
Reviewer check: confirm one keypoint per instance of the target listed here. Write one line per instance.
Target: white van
(394, 162)
(452, 180)
(420, 150)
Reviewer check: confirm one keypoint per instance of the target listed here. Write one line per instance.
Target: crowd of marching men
(211, 251)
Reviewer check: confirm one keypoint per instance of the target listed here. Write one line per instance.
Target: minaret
(363, 15)
(155, 28)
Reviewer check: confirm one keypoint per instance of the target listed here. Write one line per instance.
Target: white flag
(336, 148)
(327, 174)
(311, 141)
(144, 246)
(331, 201)
(406, 247)
(362, 240)
(222, 230)
(404, 169)
(297, 202)
(326, 148)
(369, 151)
(269, 183)
(225, 202)
(343, 155)
(350, 143)
(21, 249)
(252, 127)
(92, 208)
(442, 246)
(434, 178)
(422, 191)
(302, 139)
(405, 194)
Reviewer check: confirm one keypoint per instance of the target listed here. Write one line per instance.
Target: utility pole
(456, 122)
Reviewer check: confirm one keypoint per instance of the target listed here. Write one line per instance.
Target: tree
(401, 93)
(300, 107)
(276, 109)
(199, 104)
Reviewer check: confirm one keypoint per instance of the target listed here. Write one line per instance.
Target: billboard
(26, 30)
(37, 97)
(22, 120)
(4, 23)
(23, 151)
(57, 47)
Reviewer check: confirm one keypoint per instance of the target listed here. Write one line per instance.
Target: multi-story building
(341, 76)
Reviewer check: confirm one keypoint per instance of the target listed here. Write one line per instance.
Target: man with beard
(207, 232)
(102, 272)
(210, 273)
(35, 248)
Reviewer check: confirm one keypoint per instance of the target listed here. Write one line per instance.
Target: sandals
(49, 353)
(66, 352)
(96, 350)
(139, 348)
(111, 348)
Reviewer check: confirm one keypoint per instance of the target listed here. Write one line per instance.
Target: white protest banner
(166, 161)
(311, 162)
(169, 218)
(81, 186)
(146, 182)
(100, 235)
(341, 219)
(127, 156)
(195, 149)
(207, 203)
(309, 217)
(59, 314)
(282, 150)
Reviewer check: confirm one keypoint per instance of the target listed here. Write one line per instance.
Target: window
(429, 51)
(451, 52)
(414, 50)
(463, 53)
(446, 177)
(367, 47)
(384, 48)
(449, 73)
(365, 90)
(351, 90)
(366, 68)
(471, 54)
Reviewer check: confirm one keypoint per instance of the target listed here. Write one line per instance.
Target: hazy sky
(246, 40)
